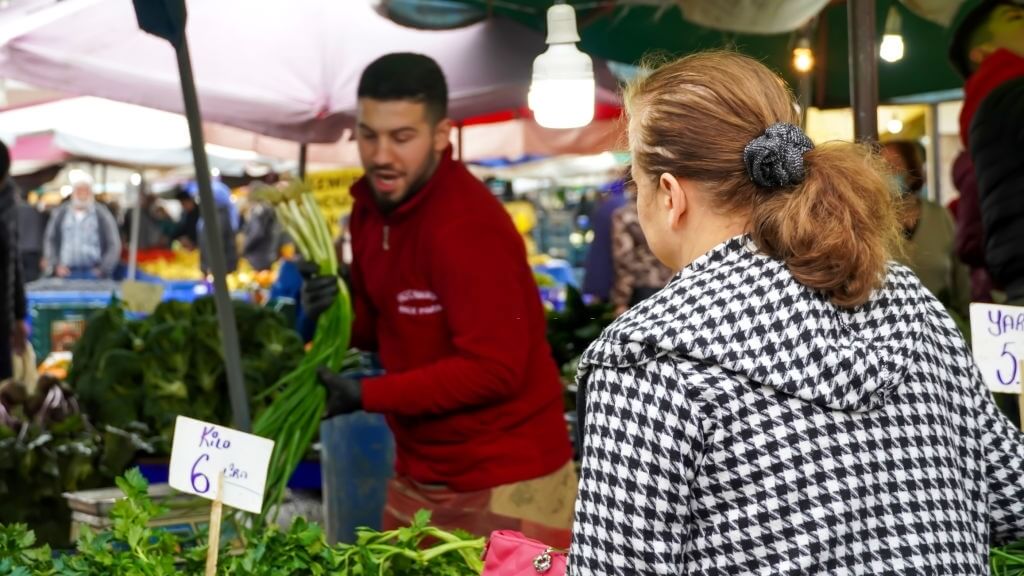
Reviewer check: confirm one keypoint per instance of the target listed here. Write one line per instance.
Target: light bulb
(803, 56)
(892, 48)
(562, 91)
(894, 125)
(136, 179)
(562, 102)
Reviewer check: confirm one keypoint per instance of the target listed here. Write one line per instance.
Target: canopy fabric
(128, 135)
(112, 132)
(284, 69)
(505, 139)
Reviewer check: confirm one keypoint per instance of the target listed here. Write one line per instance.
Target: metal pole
(806, 86)
(462, 155)
(211, 228)
(863, 69)
(133, 243)
(303, 151)
(935, 153)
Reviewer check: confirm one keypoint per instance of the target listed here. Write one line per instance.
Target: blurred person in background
(929, 229)
(638, 274)
(987, 49)
(32, 222)
(82, 240)
(187, 231)
(261, 234)
(970, 236)
(154, 233)
(13, 332)
(599, 275)
(228, 221)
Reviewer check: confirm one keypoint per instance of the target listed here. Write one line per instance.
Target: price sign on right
(997, 334)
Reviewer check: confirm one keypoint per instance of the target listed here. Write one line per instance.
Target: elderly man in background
(82, 240)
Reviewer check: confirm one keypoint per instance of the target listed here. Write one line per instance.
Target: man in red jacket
(444, 294)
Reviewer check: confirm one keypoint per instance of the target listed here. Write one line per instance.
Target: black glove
(318, 292)
(344, 394)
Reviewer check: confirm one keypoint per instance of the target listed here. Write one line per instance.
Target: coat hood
(744, 312)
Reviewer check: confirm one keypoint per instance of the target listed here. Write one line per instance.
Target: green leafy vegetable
(133, 548)
(171, 363)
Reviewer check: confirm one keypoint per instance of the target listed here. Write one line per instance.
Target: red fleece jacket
(444, 292)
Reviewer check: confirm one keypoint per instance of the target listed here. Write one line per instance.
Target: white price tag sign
(997, 334)
(201, 450)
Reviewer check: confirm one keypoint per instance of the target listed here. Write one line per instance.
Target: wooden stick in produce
(216, 510)
(1020, 397)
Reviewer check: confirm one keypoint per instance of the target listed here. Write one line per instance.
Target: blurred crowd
(87, 235)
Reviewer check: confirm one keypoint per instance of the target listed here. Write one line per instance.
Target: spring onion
(293, 418)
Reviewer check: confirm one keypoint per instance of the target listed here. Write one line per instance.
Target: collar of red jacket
(1002, 66)
(362, 193)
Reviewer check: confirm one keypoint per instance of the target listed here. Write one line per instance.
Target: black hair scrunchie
(775, 159)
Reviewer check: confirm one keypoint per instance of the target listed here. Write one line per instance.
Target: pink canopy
(287, 69)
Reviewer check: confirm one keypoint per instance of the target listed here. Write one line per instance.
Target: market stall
(139, 355)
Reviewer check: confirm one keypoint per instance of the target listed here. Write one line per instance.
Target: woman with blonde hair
(793, 402)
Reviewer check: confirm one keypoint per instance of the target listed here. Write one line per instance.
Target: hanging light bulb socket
(803, 56)
(562, 90)
(892, 47)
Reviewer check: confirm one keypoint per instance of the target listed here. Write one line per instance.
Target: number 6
(1013, 363)
(200, 475)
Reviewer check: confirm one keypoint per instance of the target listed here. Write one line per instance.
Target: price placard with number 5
(997, 334)
(202, 450)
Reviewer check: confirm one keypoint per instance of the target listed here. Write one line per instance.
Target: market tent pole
(461, 155)
(303, 153)
(133, 243)
(166, 19)
(935, 154)
(863, 69)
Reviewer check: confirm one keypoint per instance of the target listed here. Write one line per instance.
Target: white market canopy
(283, 69)
(116, 133)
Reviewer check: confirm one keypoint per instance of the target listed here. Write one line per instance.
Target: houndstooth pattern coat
(738, 423)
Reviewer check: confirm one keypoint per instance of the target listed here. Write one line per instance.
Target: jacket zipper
(386, 245)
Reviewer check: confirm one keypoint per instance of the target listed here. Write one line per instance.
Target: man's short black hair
(407, 76)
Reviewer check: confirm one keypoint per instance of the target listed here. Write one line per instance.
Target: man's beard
(386, 205)
(82, 205)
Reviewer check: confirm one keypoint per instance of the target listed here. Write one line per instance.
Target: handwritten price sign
(201, 450)
(997, 333)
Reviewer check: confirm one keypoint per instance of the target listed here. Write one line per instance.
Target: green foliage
(132, 548)
(38, 465)
(1008, 560)
(17, 555)
(171, 363)
(571, 330)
